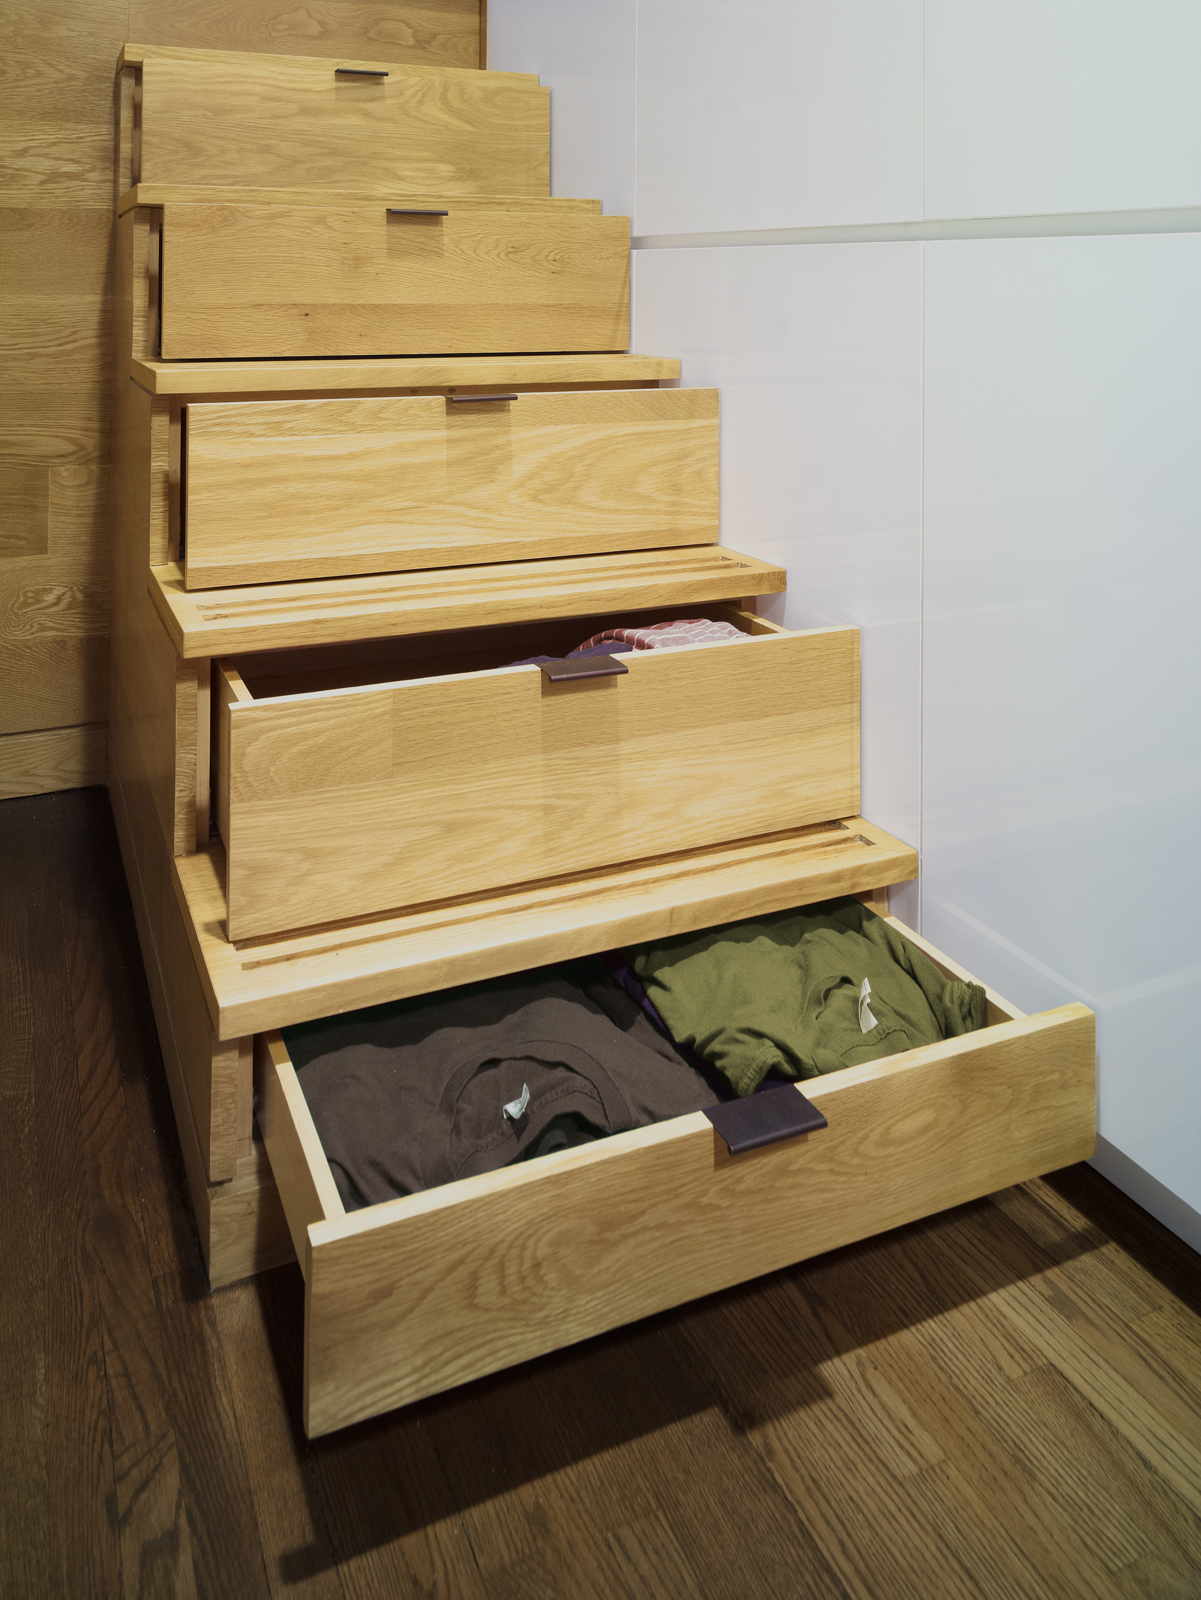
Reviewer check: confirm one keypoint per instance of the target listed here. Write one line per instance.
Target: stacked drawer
(407, 451)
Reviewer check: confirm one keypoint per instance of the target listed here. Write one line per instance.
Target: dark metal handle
(763, 1119)
(360, 72)
(473, 399)
(412, 211)
(576, 668)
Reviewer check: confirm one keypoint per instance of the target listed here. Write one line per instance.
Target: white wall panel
(584, 51)
(778, 113)
(816, 350)
(1043, 106)
(1062, 652)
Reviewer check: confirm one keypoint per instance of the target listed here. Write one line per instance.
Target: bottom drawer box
(422, 1293)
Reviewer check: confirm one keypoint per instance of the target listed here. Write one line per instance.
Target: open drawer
(285, 489)
(418, 1294)
(361, 779)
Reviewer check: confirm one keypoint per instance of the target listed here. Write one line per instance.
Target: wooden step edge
(316, 972)
(210, 622)
(338, 375)
(136, 55)
(195, 194)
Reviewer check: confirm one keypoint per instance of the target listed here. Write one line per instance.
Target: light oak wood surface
(269, 983)
(54, 758)
(160, 194)
(234, 119)
(280, 490)
(265, 281)
(349, 802)
(406, 374)
(276, 616)
(306, 1186)
(434, 32)
(420, 1294)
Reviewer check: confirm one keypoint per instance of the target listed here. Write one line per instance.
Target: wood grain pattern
(435, 32)
(420, 1294)
(406, 374)
(344, 803)
(270, 281)
(237, 120)
(276, 616)
(318, 488)
(55, 758)
(302, 1176)
(271, 983)
(160, 194)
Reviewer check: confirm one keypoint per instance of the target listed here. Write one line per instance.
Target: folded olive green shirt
(783, 992)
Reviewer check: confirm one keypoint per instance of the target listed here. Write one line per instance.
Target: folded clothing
(782, 993)
(666, 635)
(421, 1092)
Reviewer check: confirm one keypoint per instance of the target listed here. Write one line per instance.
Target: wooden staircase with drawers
(377, 434)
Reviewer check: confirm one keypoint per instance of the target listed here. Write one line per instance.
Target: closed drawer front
(350, 801)
(419, 1294)
(259, 281)
(258, 121)
(327, 488)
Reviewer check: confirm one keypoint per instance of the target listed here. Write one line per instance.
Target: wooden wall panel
(56, 283)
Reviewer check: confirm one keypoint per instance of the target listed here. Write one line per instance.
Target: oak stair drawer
(224, 118)
(290, 489)
(277, 280)
(416, 1295)
(394, 786)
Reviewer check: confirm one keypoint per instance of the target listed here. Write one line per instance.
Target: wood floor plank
(260, 1325)
(32, 982)
(101, 953)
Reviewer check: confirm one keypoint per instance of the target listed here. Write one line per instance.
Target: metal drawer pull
(360, 72)
(413, 211)
(575, 669)
(474, 399)
(763, 1119)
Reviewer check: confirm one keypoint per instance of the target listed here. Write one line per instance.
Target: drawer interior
(428, 1290)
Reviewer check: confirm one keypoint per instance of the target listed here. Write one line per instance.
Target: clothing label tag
(516, 1108)
(866, 1021)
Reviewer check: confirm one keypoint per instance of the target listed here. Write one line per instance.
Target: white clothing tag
(516, 1108)
(866, 1021)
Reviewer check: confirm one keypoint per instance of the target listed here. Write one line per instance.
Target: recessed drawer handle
(474, 399)
(763, 1119)
(360, 72)
(575, 669)
(414, 211)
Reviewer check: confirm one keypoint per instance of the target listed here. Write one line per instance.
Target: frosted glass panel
(816, 350)
(584, 52)
(778, 113)
(1061, 105)
(1062, 664)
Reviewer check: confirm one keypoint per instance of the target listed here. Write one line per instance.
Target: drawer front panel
(258, 281)
(415, 1296)
(258, 121)
(350, 802)
(325, 488)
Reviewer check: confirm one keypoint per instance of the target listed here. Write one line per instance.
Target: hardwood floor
(1002, 1401)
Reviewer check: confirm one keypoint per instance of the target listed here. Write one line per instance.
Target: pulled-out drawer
(347, 785)
(416, 1295)
(288, 489)
(277, 280)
